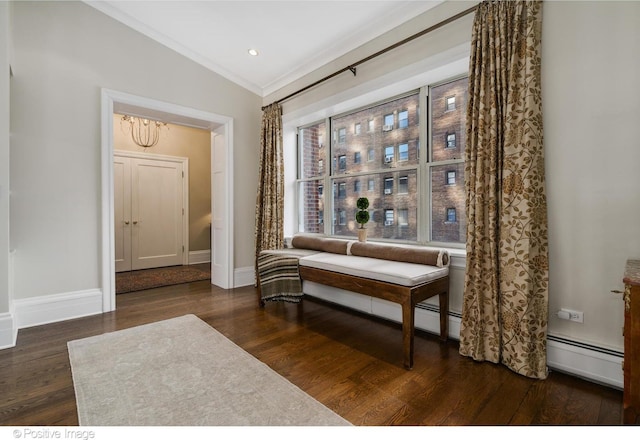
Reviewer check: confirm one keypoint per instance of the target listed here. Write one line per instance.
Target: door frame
(184, 161)
(220, 127)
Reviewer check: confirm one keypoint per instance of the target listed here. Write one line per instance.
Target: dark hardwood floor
(350, 362)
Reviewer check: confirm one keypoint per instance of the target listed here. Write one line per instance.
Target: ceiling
(293, 38)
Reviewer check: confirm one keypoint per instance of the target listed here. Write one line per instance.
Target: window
(403, 185)
(412, 177)
(403, 152)
(451, 215)
(388, 123)
(451, 140)
(320, 165)
(342, 190)
(403, 119)
(342, 215)
(450, 103)
(356, 129)
(320, 189)
(451, 177)
(342, 135)
(342, 163)
(388, 185)
(403, 217)
(320, 217)
(388, 217)
(388, 154)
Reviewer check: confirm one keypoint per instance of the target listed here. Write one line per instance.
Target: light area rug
(182, 372)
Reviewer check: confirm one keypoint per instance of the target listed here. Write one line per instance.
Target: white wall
(4, 157)
(591, 108)
(65, 53)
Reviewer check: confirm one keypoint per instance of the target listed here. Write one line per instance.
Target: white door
(152, 234)
(221, 235)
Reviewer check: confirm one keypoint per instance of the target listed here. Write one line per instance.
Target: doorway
(221, 129)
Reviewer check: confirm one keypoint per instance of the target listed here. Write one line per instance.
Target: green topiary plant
(362, 216)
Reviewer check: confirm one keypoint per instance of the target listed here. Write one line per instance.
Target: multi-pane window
(403, 185)
(427, 203)
(388, 154)
(451, 215)
(403, 152)
(451, 140)
(388, 122)
(388, 185)
(451, 177)
(403, 119)
(450, 102)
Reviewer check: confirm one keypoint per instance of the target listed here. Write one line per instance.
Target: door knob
(126, 222)
(135, 222)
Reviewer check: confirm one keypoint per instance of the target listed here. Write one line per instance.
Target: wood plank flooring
(350, 362)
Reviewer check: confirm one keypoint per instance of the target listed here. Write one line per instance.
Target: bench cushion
(404, 274)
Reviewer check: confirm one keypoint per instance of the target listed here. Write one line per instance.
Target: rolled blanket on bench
(322, 244)
(430, 257)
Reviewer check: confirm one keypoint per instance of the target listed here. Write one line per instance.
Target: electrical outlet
(571, 315)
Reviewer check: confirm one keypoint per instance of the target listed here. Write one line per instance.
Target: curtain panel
(269, 232)
(505, 302)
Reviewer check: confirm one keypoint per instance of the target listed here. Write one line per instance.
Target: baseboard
(586, 361)
(8, 331)
(199, 257)
(244, 276)
(30, 312)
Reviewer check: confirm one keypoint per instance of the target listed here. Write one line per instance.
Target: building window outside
(403, 217)
(342, 214)
(320, 217)
(356, 129)
(342, 190)
(451, 140)
(432, 194)
(388, 217)
(342, 135)
(388, 186)
(451, 215)
(451, 177)
(388, 154)
(450, 103)
(403, 152)
(403, 119)
(320, 189)
(403, 185)
(388, 123)
(342, 163)
(372, 125)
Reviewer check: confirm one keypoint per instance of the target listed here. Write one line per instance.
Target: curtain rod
(352, 68)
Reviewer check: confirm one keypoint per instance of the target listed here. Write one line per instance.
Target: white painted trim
(199, 257)
(8, 331)
(46, 309)
(244, 276)
(219, 124)
(591, 363)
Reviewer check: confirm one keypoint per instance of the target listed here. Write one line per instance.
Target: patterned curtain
(269, 232)
(505, 303)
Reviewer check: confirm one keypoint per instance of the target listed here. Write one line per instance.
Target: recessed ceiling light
(253, 52)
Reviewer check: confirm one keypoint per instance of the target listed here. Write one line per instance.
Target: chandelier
(144, 132)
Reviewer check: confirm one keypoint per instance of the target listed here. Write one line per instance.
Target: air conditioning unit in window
(388, 159)
(387, 127)
(387, 190)
(388, 223)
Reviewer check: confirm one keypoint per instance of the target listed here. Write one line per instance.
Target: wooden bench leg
(444, 315)
(408, 330)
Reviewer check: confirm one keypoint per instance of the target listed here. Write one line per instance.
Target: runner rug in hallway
(163, 276)
(182, 372)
